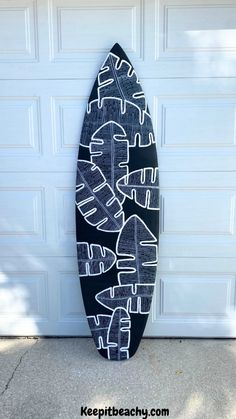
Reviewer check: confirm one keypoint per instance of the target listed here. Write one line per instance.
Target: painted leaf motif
(117, 185)
(99, 328)
(135, 242)
(136, 300)
(119, 335)
(140, 134)
(94, 259)
(95, 198)
(109, 151)
(112, 333)
(117, 78)
(141, 186)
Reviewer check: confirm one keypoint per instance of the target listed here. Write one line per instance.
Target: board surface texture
(117, 209)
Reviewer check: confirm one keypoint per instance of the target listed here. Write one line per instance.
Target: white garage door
(184, 52)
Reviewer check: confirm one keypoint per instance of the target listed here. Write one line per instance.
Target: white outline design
(132, 292)
(120, 138)
(125, 328)
(96, 319)
(136, 188)
(105, 253)
(130, 72)
(137, 141)
(119, 214)
(109, 344)
(123, 263)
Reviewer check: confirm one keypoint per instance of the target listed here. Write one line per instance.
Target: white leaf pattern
(138, 133)
(119, 335)
(135, 242)
(99, 328)
(94, 259)
(117, 78)
(96, 200)
(134, 300)
(109, 151)
(141, 186)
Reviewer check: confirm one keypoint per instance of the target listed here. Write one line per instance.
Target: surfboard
(117, 209)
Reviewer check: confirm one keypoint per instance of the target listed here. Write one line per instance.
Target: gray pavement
(52, 378)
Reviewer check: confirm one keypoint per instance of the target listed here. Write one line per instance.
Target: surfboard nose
(116, 49)
(119, 52)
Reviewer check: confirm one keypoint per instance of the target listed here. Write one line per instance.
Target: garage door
(184, 52)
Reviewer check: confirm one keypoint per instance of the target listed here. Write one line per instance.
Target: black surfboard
(117, 203)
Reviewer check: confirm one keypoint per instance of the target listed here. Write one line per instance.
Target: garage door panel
(41, 296)
(65, 215)
(24, 294)
(37, 214)
(48, 34)
(188, 296)
(197, 220)
(198, 223)
(67, 114)
(197, 122)
(41, 124)
(201, 212)
(24, 299)
(163, 38)
(194, 297)
(21, 127)
(196, 29)
(71, 21)
(22, 215)
(70, 303)
(194, 123)
(197, 132)
(18, 45)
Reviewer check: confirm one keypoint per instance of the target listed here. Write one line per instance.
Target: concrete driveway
(53, 378)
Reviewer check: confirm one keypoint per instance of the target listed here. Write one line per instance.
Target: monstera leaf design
(135, 242)
(109, 151)
(119, 335)
(141, 186)
(99, 328)
(96, 200)
(114, 193)
(113, 82)
(136, 300)
(94, 259)
(112, 333)
(137, 133)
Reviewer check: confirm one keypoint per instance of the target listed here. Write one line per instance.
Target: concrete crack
(16, 368)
